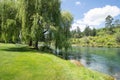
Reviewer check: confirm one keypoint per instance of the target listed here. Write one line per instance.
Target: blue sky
(91, 12)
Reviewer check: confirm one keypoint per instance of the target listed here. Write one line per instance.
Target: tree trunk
(30, 43)
(63, 55)
(66, 54)
(36, 45)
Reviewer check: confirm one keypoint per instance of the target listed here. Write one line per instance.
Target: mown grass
(18, 62)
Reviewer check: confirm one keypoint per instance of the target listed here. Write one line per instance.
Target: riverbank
(105, 60)
(18, 62)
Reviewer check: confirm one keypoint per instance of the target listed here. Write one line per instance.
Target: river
(105, 60)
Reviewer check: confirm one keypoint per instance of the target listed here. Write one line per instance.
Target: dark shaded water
(105, 60)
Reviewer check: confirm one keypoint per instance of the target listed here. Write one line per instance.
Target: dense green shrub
(86, 40)
(118, 37)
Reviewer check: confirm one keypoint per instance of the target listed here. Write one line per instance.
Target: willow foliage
(31, 21)
(8, 21)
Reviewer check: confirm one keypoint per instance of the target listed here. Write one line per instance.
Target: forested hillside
(109, 36)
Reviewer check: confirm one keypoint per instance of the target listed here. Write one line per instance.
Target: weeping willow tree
(64, 32)
(9, 31)
(37, 17)
(50, 19)
(56, 20)
(32, 21)
(67, 19)
(25, 13)
(0, 19)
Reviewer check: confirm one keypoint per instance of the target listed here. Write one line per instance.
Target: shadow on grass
(28, 49)
(20, 49)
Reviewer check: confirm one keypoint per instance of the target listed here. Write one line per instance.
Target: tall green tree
(66, 18)
(79, 33)
(108, 21)
(0, 19)
(38, 16)
(87, 31)
(73, 33)
(26, 9)
(108, 24)
(8, 21)
(93, 32)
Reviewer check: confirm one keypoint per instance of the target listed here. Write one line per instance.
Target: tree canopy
(33, 21)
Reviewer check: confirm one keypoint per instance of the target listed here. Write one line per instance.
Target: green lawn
(18, 62)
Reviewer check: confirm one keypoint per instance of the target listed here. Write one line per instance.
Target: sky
(91, 12)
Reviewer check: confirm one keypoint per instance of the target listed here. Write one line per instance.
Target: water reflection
(106, 60)
(88, 57)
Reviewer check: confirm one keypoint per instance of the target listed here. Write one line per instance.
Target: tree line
(77, 33)
(34, 21)
(110, 24)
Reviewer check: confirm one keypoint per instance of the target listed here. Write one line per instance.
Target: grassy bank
(18, 62)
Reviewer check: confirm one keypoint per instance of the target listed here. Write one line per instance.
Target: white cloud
(95, 17)
(75, 25)
(77, 3)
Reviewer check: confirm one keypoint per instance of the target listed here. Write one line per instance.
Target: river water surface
(105, 60)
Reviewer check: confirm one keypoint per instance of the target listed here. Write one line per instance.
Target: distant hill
(105, 37)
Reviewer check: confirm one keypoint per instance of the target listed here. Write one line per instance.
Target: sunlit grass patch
(33, 65)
